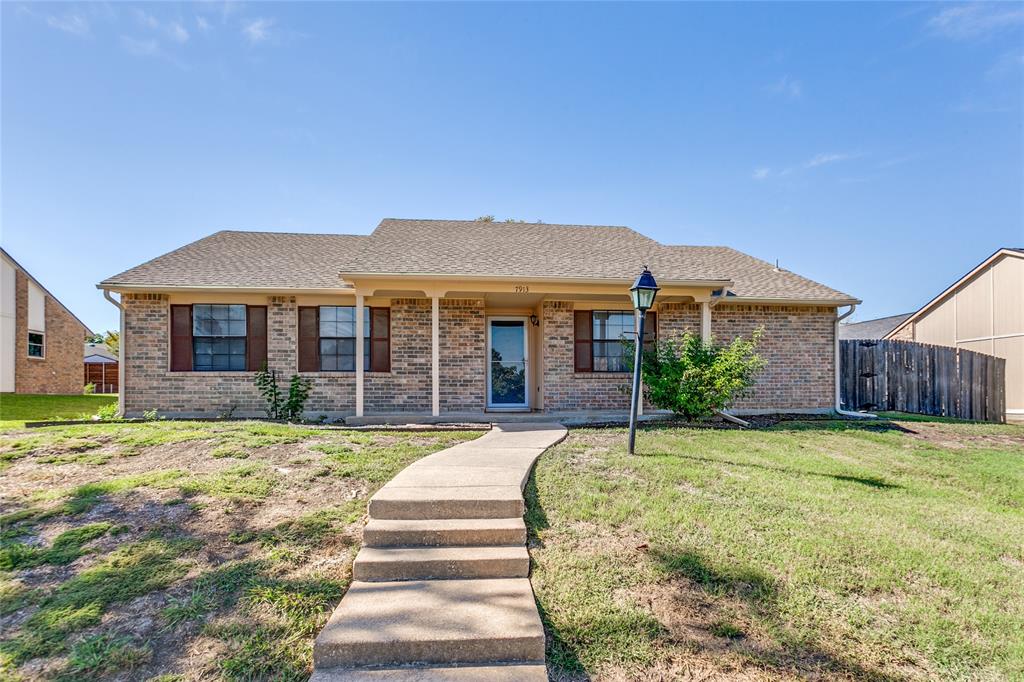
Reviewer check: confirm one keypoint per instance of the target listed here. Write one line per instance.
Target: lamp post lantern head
(644, 290)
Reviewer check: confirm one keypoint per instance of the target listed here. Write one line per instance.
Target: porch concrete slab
(433, 621)
(535, 672)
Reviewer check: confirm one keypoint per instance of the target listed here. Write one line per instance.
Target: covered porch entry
(500, 346)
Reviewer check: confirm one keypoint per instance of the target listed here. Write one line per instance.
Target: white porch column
(359, 354)
(705, 321)
(435, 355)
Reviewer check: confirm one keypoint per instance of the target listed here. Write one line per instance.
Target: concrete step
(444, 532)
(534, 672)
(448, 622)
(375, 564)
(429, 502)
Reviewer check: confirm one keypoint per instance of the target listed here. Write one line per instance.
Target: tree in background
(110, 339)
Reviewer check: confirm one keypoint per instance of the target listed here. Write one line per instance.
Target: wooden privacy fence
(905, 376)
(103, 375)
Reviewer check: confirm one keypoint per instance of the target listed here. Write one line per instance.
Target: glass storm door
(506, 366)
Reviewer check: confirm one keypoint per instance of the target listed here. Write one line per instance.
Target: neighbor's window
(600, 335)
(35, 344)
(218, 337)
(338, 338)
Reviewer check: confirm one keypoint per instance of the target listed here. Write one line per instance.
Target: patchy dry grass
(182, 550)
(825, 550)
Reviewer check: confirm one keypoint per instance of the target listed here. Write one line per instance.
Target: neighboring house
(982, 311)
(40, 339)
(870, 329)
(426, 317)
(101, 368)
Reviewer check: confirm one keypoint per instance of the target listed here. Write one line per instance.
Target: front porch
(500, 348)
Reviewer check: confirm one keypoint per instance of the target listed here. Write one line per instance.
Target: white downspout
(121, 341)
(835, 336)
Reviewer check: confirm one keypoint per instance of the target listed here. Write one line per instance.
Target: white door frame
(525, 319)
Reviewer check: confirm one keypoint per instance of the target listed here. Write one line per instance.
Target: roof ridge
(293, 234)
(503, 222)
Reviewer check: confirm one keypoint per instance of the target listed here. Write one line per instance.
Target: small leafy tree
(278, 406)
(694, 378)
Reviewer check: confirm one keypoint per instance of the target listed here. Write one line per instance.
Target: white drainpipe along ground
(835, 335)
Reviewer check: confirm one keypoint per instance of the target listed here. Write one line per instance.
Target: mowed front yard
(182, 550)
(826, 550)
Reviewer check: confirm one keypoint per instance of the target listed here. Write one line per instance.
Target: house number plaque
(521, 289)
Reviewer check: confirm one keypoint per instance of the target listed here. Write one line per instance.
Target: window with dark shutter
(219, 337)
(604, 350)
(181, 338)
(309, 334)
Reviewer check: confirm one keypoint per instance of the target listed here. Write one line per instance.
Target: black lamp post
(642, 292)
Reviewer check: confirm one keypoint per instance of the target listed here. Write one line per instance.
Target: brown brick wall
(149, 384)
(564, 388)
(60, 372)
(463, 354)
(798, 345)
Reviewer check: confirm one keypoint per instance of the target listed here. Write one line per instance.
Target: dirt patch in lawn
(217, 555)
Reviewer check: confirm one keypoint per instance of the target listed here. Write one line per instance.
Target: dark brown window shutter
(309, 339)
(650, 330)
(181, 338)
(584, 341)
(256, 337)
(380, 339)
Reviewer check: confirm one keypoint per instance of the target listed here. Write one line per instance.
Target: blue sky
(877, 148)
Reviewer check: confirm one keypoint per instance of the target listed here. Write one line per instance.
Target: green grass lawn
(182, 550)
(16, 409)
(885, 550)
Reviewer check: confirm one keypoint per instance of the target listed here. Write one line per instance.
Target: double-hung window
(338, 338)
(600, 336)
(327, 339)
(36, 344)
(218, 337)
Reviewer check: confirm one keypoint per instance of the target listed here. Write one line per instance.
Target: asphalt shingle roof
(460, 248)
(871, 329)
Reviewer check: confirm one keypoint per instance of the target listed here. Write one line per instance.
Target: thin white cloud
(177, 32)
(761, 173)
(257, 30)
(140, 47)
(976, 20)
(202, 24)
(147, 20)
(787, 85)
(71, 22)
(824, 159)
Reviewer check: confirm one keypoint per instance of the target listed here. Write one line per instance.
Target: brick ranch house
(41, 341)
(446, 318)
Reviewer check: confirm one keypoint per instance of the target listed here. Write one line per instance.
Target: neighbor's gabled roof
(471, 249)
(871, 329)
(1014, 252)
(45, 290)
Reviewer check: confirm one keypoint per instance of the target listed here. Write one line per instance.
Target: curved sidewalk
(440, 588)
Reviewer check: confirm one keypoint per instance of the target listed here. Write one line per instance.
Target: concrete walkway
(441, 587)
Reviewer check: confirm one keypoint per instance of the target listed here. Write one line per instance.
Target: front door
(507, 355)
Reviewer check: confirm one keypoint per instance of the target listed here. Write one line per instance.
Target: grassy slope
(258, 596)
(16, 409)
(853, 550)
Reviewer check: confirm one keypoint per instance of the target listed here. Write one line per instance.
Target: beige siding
(1008, 287)
(984, 314)
(938, 325)
(1012, 348)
